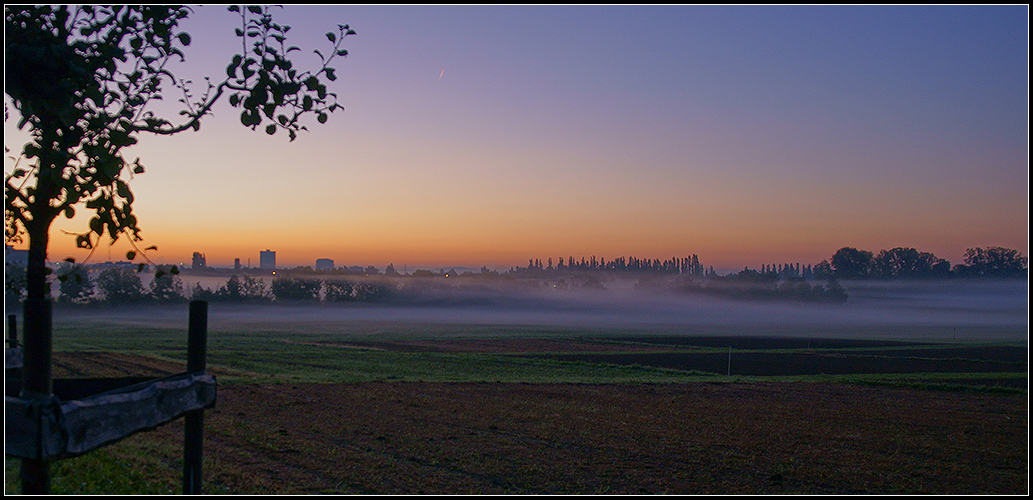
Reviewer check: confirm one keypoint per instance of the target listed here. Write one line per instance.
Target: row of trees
(753, 285)
(847, 263)
(909, 263)
(674, 265)
(123, 285)
(118, 285)
(300, 288)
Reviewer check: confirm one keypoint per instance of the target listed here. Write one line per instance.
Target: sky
(491, 135)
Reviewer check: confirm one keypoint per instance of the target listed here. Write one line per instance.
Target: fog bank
(954, 310)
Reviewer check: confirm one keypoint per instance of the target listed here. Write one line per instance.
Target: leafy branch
(82, 79)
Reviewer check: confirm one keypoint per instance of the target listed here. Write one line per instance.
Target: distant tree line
(296, 287)
(237, 289)
(771, 284)
(122, 285)
(847, 263)
(116, 286)
(689, 265)
(908, 263)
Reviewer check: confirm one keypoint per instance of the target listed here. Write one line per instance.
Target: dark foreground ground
(680, 438)
(684, 438)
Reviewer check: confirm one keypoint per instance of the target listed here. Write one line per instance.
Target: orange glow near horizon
(768, 148)
(465, 245)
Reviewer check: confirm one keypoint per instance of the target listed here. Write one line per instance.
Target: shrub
(120, 285)
(338, 291)
(201, 293)
(289, 288)
(76, 285)
(373, 291)
(167, 288)
(246, 289)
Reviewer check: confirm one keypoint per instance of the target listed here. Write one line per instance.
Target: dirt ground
(757, 438)
(697, 438)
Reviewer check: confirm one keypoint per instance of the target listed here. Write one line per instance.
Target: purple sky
(491, 135)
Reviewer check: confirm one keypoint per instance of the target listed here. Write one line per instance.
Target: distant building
(267, 260)
(324, 264)
(199, 261)
(236, 265)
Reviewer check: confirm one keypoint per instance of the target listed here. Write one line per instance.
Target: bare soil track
(694, 438)
(758, 438)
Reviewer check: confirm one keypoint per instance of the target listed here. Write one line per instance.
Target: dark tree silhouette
(166, 288)
(996, 262)
(851, 263)
(908, 263)
(290, 288)
(120, 285)
(81, 78)
(201, 293)
(238, 289)
(372, 291)
(76, 285)
(339, 291)
(822, 270)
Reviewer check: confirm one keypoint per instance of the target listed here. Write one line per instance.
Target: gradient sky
(492, 135)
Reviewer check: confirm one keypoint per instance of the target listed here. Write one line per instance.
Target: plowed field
(684, 438)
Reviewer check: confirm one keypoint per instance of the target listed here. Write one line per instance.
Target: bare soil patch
(111, 364)
(756, 438)
(71, 365)
(696, 438)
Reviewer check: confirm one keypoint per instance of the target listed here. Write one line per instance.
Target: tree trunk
(37, 380)
(36, 270)
(37, 297)
(51, 161)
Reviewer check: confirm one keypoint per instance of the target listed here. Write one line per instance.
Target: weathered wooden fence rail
(50, 429)
(49, 420)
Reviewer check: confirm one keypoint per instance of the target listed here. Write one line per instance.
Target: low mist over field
(954, 310)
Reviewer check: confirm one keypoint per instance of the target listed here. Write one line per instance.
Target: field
(325, 401)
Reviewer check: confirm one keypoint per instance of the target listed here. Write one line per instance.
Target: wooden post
(36, 382)
(12, 331)
(193, 431)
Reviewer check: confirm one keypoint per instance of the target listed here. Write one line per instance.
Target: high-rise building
(324, 264)
(199, 261)
(267, 260)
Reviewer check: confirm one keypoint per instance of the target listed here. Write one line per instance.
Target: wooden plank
(71, 428)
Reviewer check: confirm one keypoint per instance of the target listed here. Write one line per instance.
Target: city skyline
(485, 136)
(267, 262)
